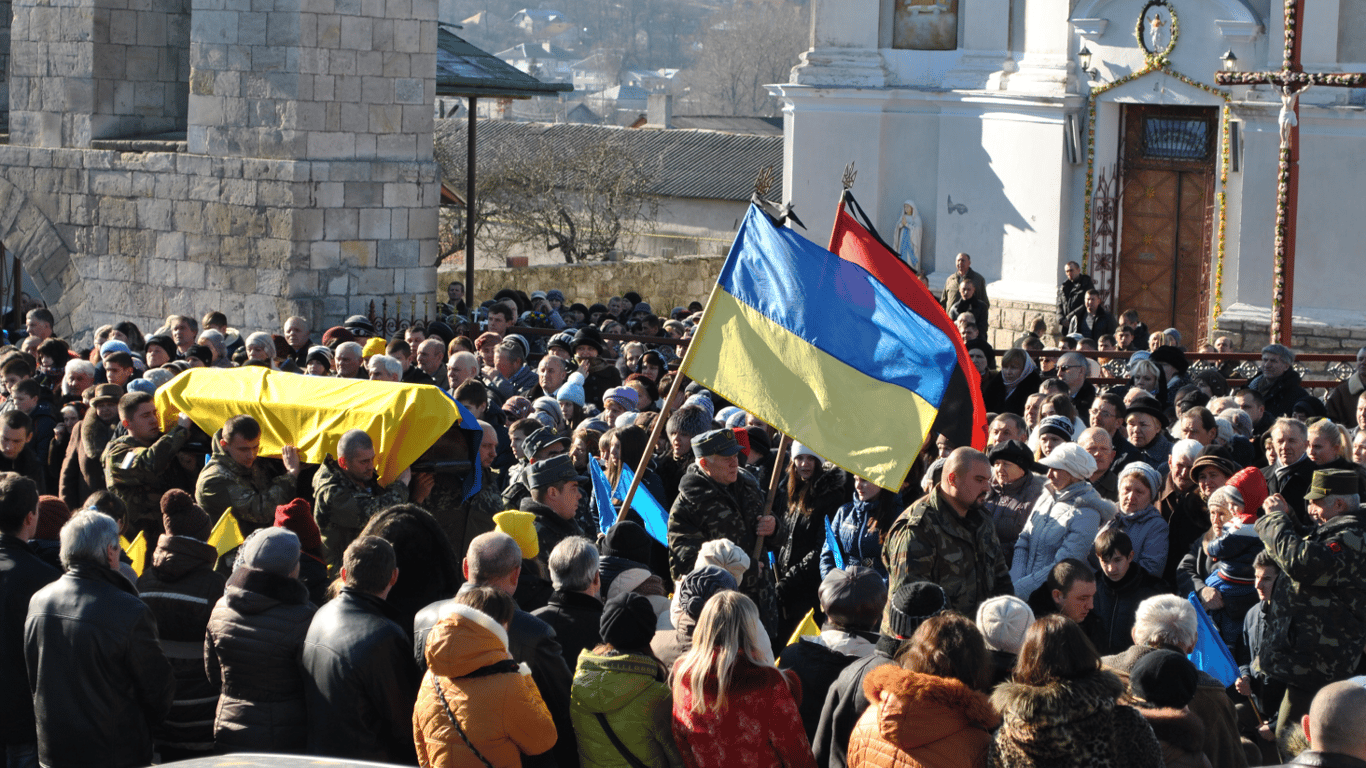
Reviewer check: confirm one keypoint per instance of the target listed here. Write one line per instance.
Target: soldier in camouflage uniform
(716, 500)
(347, 495)
(1316, 617)
(141, 466)
(946, 538)
(237, 479)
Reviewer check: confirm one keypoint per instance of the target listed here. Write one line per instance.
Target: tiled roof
(704, 165)
(464, 70)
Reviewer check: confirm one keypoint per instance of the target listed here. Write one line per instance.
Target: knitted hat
(320, 354)
(520, 341)
(1003, 620)
(297, 516)
(112, 346)
(623, 396)
(142, 385)
(912, 604)
(1150, 476)
(487, 338)
(516, 407)
(1251, 483)
(628, 622)
(742, 437)
(801, 450)
(1056, 425)
(724, 554)
(200, 352)
(374, 346)
(337, 335)
(158, 376)
(165, 342)
(694, 419)
(548, 405)
(697, 588)
(182, 517)
(1164, 679)
(736, 420)
(52, 515)
(1072, 459)
(359, 325)
(273, 550)
(521, 526)
(555, 294)
(1015, 452)
(724, 414)
(571, 392)
(702, 401)
(853, 598)
(627, 539)
(759, 444)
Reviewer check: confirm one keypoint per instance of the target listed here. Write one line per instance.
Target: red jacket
(759, 727)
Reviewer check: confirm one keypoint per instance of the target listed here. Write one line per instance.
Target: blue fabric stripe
(836, 306)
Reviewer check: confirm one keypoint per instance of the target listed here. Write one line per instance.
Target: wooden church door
(1168, 160)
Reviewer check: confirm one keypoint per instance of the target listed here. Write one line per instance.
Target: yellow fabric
(807, 628)
(226, 534)
(375, 346)
(864, 426)
(313, 412)
(137, 551)
(521, 526)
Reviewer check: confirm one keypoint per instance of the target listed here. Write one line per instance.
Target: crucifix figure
(1290, 82)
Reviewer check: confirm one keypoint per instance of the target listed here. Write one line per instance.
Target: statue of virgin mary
(906, 236)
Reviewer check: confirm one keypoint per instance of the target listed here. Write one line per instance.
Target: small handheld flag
(1211, 655)
(655, 517)
(807, 628)
(137, 551)
(834, 545)
(602, 495)
(226, 534)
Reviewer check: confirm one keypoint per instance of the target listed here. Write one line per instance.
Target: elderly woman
(1064, 521)
(1015, 488)
(261, 349)
(1018, 380)
(1139, 487)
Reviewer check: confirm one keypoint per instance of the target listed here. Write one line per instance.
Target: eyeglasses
(1065, 368)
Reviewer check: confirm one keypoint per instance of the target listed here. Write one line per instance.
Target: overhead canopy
(464, 70)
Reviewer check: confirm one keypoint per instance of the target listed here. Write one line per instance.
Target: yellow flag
(226, 535)
(807, 628)
(124, 544)
(137, 551)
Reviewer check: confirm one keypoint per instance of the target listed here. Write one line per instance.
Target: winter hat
(555, 294)
(320, 354)
(297, 516)
(628, 580)
(201, 352)
(165, 342)
(52, 515)
(1149, 475)
(801, 450)
(912, 604)
(1003, 621)
(571, 392)
(697, 588)
(724, 554)
(487, 339)
(548, 405)
(375, 346)
(521, 342)
(627, 539)
(112, 346)
(701, 400)
(182, 517)
(1149, 405)
(1015, 452)
(521, 526)
(759, 443)
(724, 414)
(1171, 356)
(623, 396)
(158, 376)
(853, 598)
(142, 385)
(273, 550)
(736, 420)
(742, 437)
(516, 408)
(1072, 459)
(695, 419)
(628, 622)
(1164, 679)
(626, 419)
(1056, 425)
(1251, 483)
(337, 335)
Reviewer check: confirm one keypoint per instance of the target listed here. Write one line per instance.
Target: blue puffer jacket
(858, 544)
(1063, 524)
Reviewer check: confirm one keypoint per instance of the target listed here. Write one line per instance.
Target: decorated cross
(1290, 81)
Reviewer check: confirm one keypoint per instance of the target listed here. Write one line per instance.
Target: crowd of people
(1025, 605)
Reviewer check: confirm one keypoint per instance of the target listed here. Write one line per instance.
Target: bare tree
(742, 49)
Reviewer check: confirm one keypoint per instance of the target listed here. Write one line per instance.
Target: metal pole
(470, 210)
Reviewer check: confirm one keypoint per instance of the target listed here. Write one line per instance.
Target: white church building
(1018, 148)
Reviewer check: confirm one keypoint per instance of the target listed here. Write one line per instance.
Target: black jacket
(360, 681)
(844, 704)
(99, 679)
(531, 642)
(1117, 601)
(551, 529)
(1279, 395)
(22, 573)
(1316, 759)
(27, 464)
(575, 618)
(1293, 484)
(817, 666)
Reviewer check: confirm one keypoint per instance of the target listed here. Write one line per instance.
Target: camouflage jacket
(462, 521)
(930, 542)
(706, 510)
(1316, 617)
(138, 474)
(252, 493)
(343, 507)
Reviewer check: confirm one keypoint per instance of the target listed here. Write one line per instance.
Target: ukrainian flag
(824, 351)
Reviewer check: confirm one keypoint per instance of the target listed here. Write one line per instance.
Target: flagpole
(773, 482)
(658, 427)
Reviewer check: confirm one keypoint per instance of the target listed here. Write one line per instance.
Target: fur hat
(297, 516)
(273, 550)
(628, 622)
(52, 515)
(182, 517)
(1003, 620)
(912, 604)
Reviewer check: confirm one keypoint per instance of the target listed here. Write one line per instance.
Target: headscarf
(1025, 370)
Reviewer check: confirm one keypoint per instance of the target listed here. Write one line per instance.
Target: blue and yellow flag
(817, 346)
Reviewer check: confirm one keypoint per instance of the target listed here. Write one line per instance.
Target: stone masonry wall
(1008, 320)
(662, 283)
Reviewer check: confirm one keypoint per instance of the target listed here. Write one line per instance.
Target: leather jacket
(22, 573)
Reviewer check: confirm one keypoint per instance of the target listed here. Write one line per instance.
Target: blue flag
(602, 495)
(834, 545)
(1211, 655)
(656, 517)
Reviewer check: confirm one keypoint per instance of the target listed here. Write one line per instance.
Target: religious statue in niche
(906, 237)
(925, 25)
(1158, 31)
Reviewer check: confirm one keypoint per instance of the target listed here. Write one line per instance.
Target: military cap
(540, 440)
(1332, 482)
(718, 442)
(548, 472)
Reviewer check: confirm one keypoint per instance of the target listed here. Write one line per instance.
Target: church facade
(1030, 133)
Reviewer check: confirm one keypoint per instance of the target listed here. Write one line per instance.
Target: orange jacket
(921, 721)
(502, 713)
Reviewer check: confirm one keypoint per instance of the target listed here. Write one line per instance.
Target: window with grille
(1176, 138)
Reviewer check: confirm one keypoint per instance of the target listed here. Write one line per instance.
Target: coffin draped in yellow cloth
(312, 412)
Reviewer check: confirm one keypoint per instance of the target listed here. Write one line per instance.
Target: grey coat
(1061, 525)
(1148, 532)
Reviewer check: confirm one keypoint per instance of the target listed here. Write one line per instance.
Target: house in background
(543, 61)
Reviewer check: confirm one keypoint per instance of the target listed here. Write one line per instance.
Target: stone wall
(662, 283)
(1008, 320)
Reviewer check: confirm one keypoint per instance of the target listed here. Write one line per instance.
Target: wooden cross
(1291, 81)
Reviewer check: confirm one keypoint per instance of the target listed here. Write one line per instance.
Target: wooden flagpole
(773, 482)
